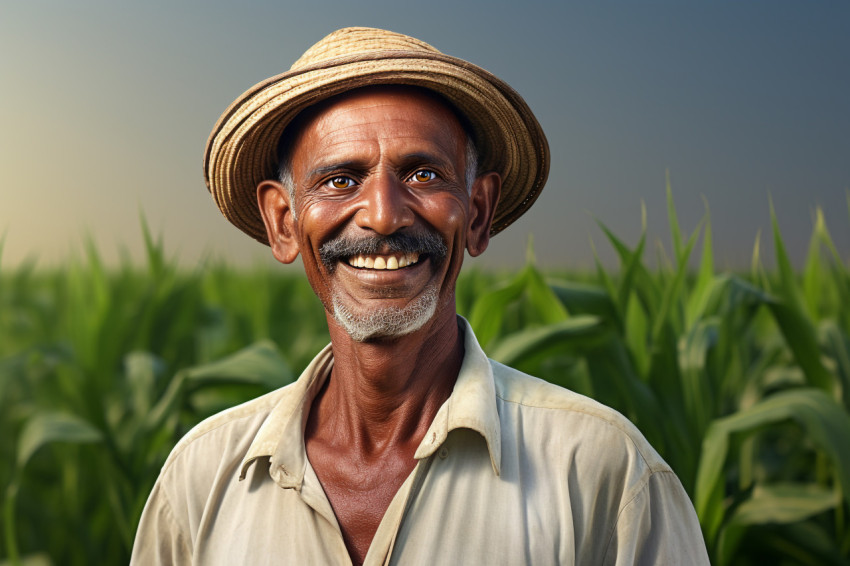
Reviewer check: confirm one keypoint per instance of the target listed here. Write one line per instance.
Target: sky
(105, 108)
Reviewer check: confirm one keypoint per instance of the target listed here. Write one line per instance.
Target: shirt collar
(471, 405)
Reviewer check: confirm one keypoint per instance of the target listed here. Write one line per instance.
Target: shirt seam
(613, 423)
(169, 508)
(179, 450)
(626, 505)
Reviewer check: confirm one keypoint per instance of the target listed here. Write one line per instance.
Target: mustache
(343, 247)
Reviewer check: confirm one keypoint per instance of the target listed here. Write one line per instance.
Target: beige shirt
(513, 470)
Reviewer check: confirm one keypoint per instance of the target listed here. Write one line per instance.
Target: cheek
(445, 213)
(316, 219)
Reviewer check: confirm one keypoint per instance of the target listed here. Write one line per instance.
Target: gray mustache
(343, 247)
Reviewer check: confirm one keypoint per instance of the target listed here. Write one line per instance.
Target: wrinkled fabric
(513, 470)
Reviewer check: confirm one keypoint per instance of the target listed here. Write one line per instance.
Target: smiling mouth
(383, 262)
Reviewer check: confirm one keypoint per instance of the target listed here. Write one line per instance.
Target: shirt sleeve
(160, 539)
(657, 526)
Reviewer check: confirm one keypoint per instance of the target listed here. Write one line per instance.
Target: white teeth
(383, 262)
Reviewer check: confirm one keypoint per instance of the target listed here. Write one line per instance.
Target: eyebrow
(354, 164)
(323, 170)
(424, 157)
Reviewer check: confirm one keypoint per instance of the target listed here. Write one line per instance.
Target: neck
(383, 395)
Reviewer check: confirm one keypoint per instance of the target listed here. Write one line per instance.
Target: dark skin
(379, 161)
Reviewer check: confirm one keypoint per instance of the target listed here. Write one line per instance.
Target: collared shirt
(513, 470)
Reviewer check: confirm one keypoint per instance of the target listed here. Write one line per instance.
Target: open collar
(472, 405)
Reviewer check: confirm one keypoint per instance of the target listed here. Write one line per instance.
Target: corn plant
(740, 383)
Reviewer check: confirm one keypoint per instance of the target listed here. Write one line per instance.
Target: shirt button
(444, 452)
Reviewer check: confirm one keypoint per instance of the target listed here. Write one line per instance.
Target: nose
(385, 208)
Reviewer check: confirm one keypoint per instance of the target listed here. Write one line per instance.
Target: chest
(360, 491)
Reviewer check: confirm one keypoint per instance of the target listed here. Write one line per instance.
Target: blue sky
(106, 108)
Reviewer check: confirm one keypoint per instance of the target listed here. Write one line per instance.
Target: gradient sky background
(106, 107)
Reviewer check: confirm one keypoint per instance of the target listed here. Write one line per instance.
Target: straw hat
(242, 148)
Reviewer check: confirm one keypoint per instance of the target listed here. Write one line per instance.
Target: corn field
(740, 380)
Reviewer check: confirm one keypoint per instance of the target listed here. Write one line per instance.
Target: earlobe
(482, 208)
(273, 201)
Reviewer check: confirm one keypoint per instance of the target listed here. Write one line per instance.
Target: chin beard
(390, 322)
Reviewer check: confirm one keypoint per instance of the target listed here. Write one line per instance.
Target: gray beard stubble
(387, 322)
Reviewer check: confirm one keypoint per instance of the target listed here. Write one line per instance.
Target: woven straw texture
(242, 148)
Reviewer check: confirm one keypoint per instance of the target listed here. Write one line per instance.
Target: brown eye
(341, 182)
(423, 176)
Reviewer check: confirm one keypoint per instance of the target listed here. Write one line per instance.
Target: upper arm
(161, 538)
(657, 526)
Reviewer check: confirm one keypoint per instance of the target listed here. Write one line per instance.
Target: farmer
(381, 161)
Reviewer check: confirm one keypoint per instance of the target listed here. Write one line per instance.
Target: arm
(160, 539)
(657, 526)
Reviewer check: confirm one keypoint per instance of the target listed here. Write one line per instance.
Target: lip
(387, 279)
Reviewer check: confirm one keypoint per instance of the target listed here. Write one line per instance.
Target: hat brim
(242, 149)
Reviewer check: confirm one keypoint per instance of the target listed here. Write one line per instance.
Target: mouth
(383, 261)
(383, 253)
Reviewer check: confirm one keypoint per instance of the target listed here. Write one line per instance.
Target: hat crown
(359, 40)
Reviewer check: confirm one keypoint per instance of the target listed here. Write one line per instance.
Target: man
(381, 161)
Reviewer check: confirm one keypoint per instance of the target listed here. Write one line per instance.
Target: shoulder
(226, 435)
(577, 421)
(625, 501)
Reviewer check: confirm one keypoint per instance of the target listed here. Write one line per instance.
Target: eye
(340, 182)
(423, 176)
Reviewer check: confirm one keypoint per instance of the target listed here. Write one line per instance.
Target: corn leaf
(542, 297)
(675, 233)
(580, 298)
(698, 297)
(784, 503)
(45, 428)
(487, 314)
(260, 364)
(522, 348)
(790, 315)
(824, 421)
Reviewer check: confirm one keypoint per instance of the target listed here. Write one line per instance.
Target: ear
(276, 210)
(482, 207)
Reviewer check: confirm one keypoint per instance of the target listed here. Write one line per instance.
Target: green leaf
(521, 348)
(675, 233)
(697, 391)
(788, 289)
(825, 422)
(801, 337)
(698, 297)
(259, 364)
(602, 275)
(48, 427)
(672, 290)
(543, 298)
(37, 559)
(790, 314)
(784, 503)
(839, 348)
(813, 270)
(581, 298)
(487, 313)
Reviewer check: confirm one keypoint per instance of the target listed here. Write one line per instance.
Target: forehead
(350, 108)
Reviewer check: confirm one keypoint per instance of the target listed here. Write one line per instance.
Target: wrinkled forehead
(293, 131)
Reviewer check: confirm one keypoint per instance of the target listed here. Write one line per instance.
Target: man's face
(382, 211)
